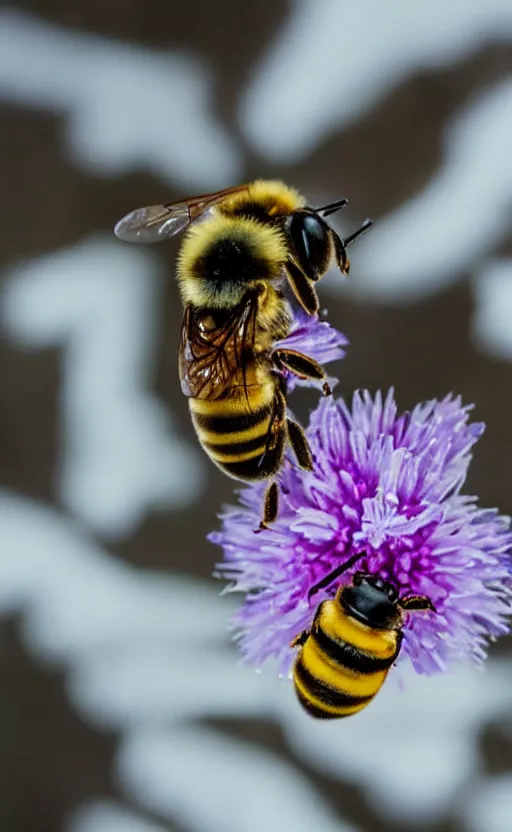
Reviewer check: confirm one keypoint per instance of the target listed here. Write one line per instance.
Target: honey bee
(241, 247)
(354, 639)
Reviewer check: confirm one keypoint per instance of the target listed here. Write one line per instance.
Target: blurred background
(122, 704)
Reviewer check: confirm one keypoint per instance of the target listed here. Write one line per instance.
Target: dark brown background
(51, 760)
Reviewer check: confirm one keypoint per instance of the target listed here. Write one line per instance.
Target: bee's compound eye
(313, 234)
(310, 237)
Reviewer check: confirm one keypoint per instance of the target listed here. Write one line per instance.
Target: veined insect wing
(153, 223)
(159, 222)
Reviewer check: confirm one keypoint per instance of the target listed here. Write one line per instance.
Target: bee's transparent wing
(159, 222)
(153, 223)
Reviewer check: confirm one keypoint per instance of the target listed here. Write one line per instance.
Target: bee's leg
(301, 639)
(274, 446)
(270, 507)
(300, 445)
(271, 459)
(417, 602)
(301, 366)
(302, 287)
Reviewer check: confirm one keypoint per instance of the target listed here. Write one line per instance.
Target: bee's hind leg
(271, 459)
(300, 445)
(270, 507)
(302, 451)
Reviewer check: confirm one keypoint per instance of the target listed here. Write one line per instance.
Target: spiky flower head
(389, 488)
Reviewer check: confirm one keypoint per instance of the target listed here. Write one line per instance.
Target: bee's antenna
(366, 224)
(335, 574)
(326, 210)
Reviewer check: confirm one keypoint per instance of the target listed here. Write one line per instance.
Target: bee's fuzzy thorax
(274, 196)
(220, 256)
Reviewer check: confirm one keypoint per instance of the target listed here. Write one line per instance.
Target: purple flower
(388, 488)
(316, 339)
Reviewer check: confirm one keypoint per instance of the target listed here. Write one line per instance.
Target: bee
(241, 248)
(354, 639)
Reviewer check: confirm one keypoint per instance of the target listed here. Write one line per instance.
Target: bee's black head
(310, 240)
(371, 600)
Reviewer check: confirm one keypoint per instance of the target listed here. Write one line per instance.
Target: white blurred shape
(488, 807)
(464, 210)
(103, 816)
(126, 107)
(492, 327)
(334, 60)
(78, 601)
(121, 457)
(146, 681)
(414, 749)
(213, 783)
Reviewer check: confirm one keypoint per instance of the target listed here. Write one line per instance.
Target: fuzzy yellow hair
(275, 196)
(264, 242)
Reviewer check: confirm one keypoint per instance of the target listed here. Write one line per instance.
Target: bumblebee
(354, 639)
(241, 248)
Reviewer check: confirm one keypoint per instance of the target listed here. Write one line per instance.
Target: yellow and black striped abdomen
(243, 432)
(342, 664)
